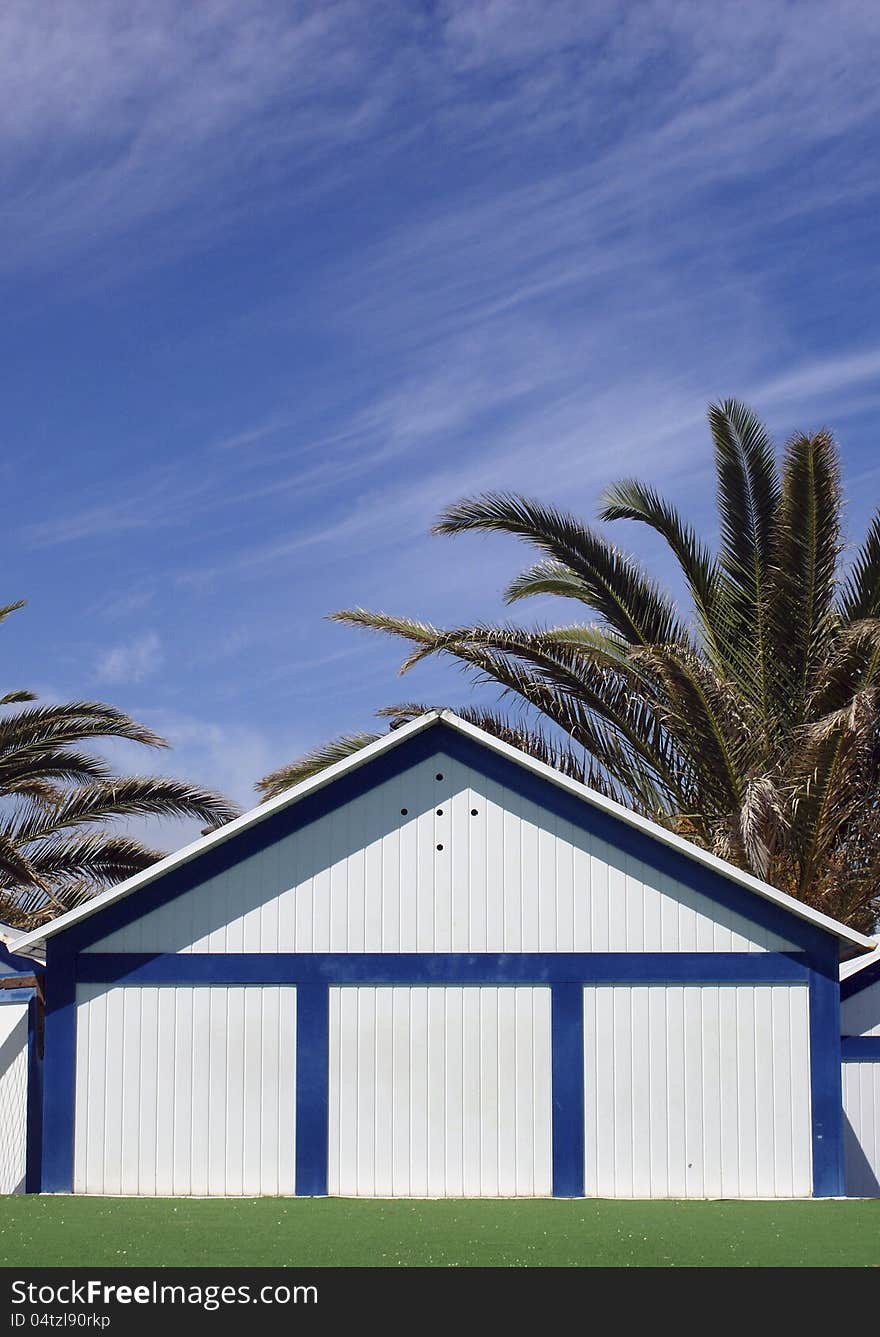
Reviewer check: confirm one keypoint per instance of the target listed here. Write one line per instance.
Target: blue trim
(855, 1047)
(16, 995)
(862, 979)
(312, 1076)
(59, 1075)
(826, 1096)
(33, 1159)
(567, 1026)
(12, 964)
(449, 743)
(187, 968)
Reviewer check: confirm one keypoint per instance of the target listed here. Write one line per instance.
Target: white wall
(860, 1014)
(367, 878)
(440, 1092)
(185, 1090)
(861, 1108)
(13, 1096)
(697, 1091)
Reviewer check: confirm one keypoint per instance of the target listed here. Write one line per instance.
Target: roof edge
(227, 832)
(852, 942)
(859, 963)
(686, 847)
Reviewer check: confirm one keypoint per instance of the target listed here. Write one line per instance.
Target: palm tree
(749, 722)
(57, 797)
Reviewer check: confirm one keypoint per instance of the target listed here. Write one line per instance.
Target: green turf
(251, 1232)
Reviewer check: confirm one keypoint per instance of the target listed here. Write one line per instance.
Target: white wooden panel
(13, 1096)
(861, 1128)
(860, 1014)
(469, 866)
(440, 1092)
(185, 1091)
(697, 1091)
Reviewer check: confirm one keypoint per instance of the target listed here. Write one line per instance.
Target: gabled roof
(861, 973)
(851, 942)
(858, 963)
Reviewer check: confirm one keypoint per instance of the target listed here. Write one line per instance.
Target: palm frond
(548, 577)
(51, 786)
(96, 857)
(74, 721)
(313, 762)
(762, 822)
(592, 701)
(615, 585)
(123, 796)
(15, 866)
(850, 663)
(860, 597)
(753, 729)
(748, 500)
(20, 767)
(833, 777)
(421, 634)
(706, 716)
(748, 493)
(633, 500)
(806, 550)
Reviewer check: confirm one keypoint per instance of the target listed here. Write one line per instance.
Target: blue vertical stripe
(825, 1079)
(59, 1072)
(312, 1076)
(34, 1098)
(567, 1026)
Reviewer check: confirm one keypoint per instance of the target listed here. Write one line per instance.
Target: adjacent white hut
(440, 968)
(20, 1070)
(860, 1051)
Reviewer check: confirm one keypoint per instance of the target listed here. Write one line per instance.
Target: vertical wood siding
(860, 1014)
(13, 1095)
(370, 878)
(697, 1091)
(440, 1092)
(861, 1108)
(185, 1090)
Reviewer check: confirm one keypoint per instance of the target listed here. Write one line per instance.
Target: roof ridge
(856, 942)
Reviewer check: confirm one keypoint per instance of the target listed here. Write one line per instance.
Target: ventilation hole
(439, 847)
(404, 811)
(473, 812)
(439, 775)
(439, 812)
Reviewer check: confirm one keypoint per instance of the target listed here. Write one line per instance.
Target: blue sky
(280, 280)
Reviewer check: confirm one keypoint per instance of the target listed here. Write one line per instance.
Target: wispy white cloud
(132, 661)
(130, 603)
(822, 380)
(519, 411)
(228, 757)
(123, 111)
(120, 112)
(593, 220)
(231, 756)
